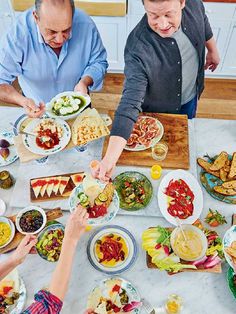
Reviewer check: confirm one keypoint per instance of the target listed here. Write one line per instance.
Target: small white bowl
(2, 207)
(26, 209)
(196, 230)
(12, 226)
(69, 116)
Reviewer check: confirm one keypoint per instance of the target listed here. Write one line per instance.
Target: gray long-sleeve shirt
(153, 68)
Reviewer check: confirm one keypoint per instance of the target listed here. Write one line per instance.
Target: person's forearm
(10, 95)
(211, 44)
(114, 149)
(61, 275)
(7, 266)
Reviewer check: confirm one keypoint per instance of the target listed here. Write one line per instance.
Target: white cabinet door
(220, 30)
(133, 21)
(6, 16)
(113, 33)
(229, 62)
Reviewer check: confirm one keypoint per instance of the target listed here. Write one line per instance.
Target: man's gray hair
(38, 4)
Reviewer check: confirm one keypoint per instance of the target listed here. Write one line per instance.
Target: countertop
(203, 293)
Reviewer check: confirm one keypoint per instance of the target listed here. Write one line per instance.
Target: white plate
(195, 188)
(112, 209)
(13, 154)
(229, 237)
(121, 266)
(22, 299)
(49, 105)
(128, 287)
(153, 141)
(12, 226)
(30, 142)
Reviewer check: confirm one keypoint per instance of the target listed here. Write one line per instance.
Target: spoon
(181, 229)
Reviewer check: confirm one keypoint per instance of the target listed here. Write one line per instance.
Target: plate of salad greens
(231, 278)
(134, 190)
(67, 105)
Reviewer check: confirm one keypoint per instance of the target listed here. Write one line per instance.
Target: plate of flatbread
(218, 176)
(88, 126)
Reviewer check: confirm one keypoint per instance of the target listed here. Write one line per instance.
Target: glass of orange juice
(159, 150)
(173, 304)
(156, 171)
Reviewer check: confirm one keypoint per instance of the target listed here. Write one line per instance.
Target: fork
(148, 307)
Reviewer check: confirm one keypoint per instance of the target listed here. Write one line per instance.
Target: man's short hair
(38, 4)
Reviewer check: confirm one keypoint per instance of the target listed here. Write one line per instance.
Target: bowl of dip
(191, 249)
(7, 231)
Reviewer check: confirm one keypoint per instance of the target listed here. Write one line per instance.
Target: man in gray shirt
(164, 68)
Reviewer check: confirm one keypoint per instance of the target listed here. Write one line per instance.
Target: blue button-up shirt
(41, 74)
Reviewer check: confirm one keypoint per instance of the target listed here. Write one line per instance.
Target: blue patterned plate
(209, 181)
(30, 142)
(229, 237)
(13, 154)
(112, 209)
(43, 233)
(126, 285)
(120, 266)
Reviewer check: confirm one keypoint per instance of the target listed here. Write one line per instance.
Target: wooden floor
(218, 99)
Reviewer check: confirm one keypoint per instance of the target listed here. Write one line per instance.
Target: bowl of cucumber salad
(67, 105)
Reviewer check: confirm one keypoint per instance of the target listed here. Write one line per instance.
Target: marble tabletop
(203, 293)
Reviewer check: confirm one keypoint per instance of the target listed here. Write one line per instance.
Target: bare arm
(74, 229)
(10, 95)
(18, 256)
(105, 168)
(212, 57)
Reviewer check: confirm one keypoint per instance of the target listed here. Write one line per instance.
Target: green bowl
(119, 186)
(230, 275)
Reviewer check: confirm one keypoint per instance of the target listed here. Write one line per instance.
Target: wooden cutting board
(216, 269)
(176, 137)
(69, 188)
(51, 214)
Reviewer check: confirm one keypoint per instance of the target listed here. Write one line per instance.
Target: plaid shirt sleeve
(45, 303)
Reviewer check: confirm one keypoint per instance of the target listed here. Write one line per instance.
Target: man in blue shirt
(51, 49)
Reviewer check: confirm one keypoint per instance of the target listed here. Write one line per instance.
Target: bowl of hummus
(7, 231)
(190, 243)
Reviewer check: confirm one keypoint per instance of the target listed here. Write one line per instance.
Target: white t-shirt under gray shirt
(190, 64)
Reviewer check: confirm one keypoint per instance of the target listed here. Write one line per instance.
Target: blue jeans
(190, 108)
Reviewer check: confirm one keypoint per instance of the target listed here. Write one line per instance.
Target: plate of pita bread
(100, 200)
(88, 126)
(218, 176)
(114, 295)
(229, 246)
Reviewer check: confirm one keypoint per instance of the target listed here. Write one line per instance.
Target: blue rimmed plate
(131, 250)
(30, 142)
(111, 212)
(12, 149)
(229, 237)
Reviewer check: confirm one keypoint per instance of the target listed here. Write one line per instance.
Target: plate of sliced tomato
(180, 197)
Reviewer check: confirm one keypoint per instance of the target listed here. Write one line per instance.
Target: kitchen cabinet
(229, 61)
(113, 33)
(6, 16)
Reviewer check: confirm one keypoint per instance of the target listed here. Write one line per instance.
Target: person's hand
(32, 110)
(76, 224)
(23, 249)
(81, 87)
(212, 60)
(89, 312)
(102, 170)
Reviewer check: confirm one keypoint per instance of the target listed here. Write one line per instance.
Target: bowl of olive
(31, 220)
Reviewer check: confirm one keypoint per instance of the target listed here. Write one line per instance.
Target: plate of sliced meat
(147, 131)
